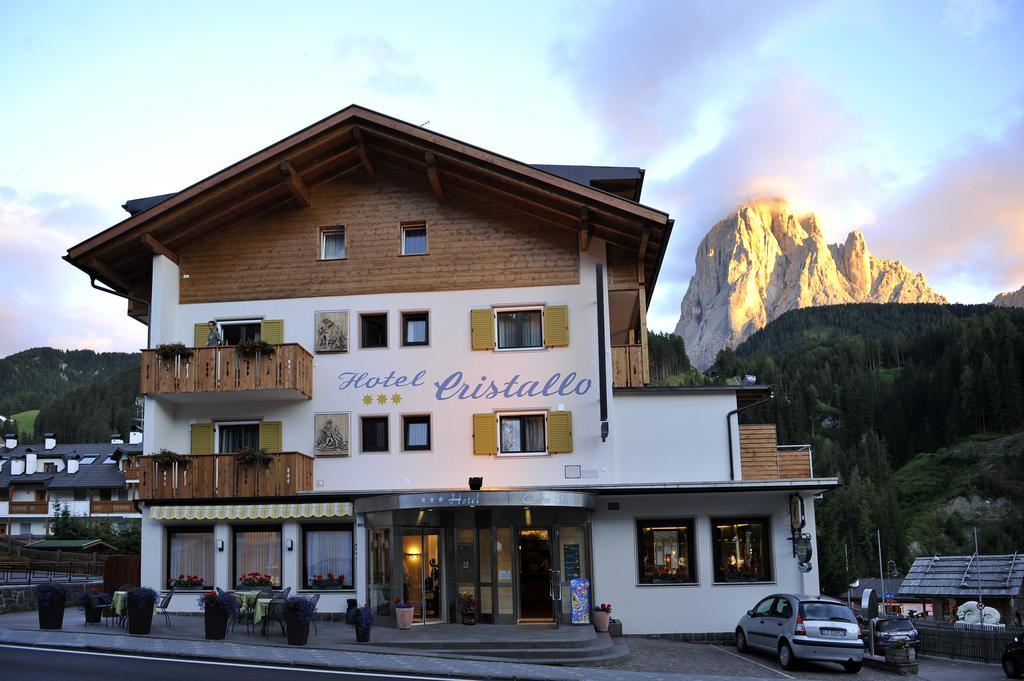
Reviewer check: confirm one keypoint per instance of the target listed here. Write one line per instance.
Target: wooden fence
(968, 642)
(119, 570)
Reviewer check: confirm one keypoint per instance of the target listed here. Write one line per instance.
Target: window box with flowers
(252, 346)
(186, 582)
(253, 456)
(172, 350)
(251, 579)
(165, 458)
(328, 581)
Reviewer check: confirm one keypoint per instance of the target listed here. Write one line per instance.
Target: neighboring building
(950, 581)
(436, 313)
(88, 478)
(898, 604)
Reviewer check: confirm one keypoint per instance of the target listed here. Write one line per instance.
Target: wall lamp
(289, 544)
(220, 544)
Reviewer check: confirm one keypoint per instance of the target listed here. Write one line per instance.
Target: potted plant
(84, 600)
(165, 458)
(350, 611)
(467, 607)
(50, 599)
(250, 347)
(186, 582)
(217, 611)
(363, 622)
(298, 614)
(403, 614)
(601, 617)
(252, 456)
(140, 610)
(256, 579)
(330, 581)
(899, 653)
(170, 350)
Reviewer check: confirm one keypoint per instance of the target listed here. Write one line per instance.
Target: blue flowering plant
(142, 597)
(47, 592)
(364, 617)
(225, 602)
(304, 608)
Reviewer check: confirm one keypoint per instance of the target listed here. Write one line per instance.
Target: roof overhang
(356, 140)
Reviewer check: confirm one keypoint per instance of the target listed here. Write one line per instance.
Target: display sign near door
(572, 561)
(579, 591)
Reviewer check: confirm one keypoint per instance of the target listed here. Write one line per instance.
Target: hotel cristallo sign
(456, 386)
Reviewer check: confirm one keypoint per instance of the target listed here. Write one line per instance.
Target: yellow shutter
(560, 432)
(202, 331)
(485, 434)
(482, 327)
(272, 331)
(270, 436)
(202, 438)
(556, 326)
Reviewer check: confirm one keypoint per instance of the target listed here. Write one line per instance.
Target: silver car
(803, 627)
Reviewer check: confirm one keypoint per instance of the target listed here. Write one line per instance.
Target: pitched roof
(961, 575)
(355, 140)
(95, 475)
(69, 544)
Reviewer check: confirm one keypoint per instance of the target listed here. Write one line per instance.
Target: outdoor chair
(275, 613)
(219, 590)
(246, 615)
(313, 601)
(107, 613)
(163, 604)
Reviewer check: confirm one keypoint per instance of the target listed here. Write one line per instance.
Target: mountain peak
(1010, 298)
(764, 260)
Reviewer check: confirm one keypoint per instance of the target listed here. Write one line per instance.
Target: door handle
(779, 623)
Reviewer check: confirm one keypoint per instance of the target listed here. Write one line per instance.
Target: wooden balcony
(219, 476)
(112, 506)
(286, 372)
(33, 507)
(761, 457)
(628, 366)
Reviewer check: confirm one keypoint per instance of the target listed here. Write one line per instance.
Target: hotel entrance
(422, 577)
(535, 575)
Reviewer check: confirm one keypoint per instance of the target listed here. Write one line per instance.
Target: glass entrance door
(421, 573)
(535, 571)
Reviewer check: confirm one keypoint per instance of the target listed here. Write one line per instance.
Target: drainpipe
(728, 425)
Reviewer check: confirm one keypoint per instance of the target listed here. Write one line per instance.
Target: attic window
(332, 244)
(86, 460)
(109, 460)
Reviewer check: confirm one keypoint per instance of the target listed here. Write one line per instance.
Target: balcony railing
(762, 458)
(112, 506)
(628, 366)
(224, 369)
(220, 476)
(34, 507)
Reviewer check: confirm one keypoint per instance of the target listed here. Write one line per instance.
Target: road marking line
(282, 667)
(747, 659)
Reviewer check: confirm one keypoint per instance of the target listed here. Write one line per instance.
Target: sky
(902, 119)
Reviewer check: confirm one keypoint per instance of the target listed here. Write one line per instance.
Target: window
(742, 549)
(86, 460)
(232, 437)
(519, 329)
(522, 434)
(105, 495)
(234, 332)
(764, 607)
(24, 528)
(375, 433)
(328, 556)
(665, 551)
(414, 239)
(415, 432)
(190, 553)
(332, 244)
(415, 328)
(373, 330)
(258, 549)
(80, 495)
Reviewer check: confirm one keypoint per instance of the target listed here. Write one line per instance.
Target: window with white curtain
(332, 244)
(328, 551)
(522, 434)
(414, 239)
(520, 329)
(190, 553)
(258, 549)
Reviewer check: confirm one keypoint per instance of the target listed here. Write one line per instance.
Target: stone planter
(403, 615)
(601, 620)
(216, 621)
(363, 634)
(51, 615)
(93, 615)
(140, 618)
(298, 632)
(900, 655)
(615, 628)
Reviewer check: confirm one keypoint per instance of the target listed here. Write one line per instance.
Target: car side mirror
(750, 613)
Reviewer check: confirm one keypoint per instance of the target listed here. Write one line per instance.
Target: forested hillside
(91, 413)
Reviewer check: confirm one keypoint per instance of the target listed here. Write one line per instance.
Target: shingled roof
(959, 576)
(95, 475)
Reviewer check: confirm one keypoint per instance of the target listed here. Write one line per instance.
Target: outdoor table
(262, 605)
(247, 599)
(119, 603)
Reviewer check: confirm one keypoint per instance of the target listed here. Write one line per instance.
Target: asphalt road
(36, 664)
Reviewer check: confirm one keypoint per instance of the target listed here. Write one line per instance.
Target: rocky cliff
(1010, 299)
(764, 260)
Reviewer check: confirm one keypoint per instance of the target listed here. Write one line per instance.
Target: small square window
(414, 239)
(522, 434)
(373, 331)
(332, 244)
(415, 328)
(666, 551)
(415, 432)
(520, 329)
(741, 549)
(375, 433)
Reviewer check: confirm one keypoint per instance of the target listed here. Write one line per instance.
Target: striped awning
(330, 509)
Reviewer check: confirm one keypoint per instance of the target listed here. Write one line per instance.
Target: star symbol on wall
(382, 399)
(396, 398)
(367, 399)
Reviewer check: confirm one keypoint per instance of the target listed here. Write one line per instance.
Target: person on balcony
(213, 338)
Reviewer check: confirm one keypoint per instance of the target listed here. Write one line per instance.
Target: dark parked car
(888, 630)
(1013, 658)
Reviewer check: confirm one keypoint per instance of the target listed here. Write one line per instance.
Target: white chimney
(49, 441)
(115, 439)
(72, 466)
(30, 463)
(11, 440)
(17, 466)
(135, 437)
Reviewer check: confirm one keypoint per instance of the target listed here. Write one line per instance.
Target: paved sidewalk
(319, 658)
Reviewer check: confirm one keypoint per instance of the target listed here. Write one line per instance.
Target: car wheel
(741, 641)
(786, 658)
(852, 667)
(1010, 668)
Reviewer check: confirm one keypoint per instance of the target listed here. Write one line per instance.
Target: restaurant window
(742, 549)
(522, 434)
(190, 553)
(415, 328)
(373, 330)
(519, 329)
(233, 437)
(665, 551)
(416, 432)
(332, 244)
(374, 433)
(258, 549)
(414, 239)
(328, 556)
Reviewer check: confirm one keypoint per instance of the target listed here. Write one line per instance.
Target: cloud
(970, 18)
(377, 49)
(389, 82)
(45, 300)
(390, 67)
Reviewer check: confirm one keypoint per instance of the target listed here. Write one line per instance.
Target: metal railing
(14, 572)
(968, 642)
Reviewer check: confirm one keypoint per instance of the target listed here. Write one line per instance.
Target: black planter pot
(298, 632)
(469, 617)
(216, 621)
(350, 611)
(140, 618)
(51, 615)
(363, 634)
(93, 615)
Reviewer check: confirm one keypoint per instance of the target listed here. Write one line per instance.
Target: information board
(572, 561)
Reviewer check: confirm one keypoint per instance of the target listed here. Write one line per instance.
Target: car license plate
(900, 638)
(833, 633)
